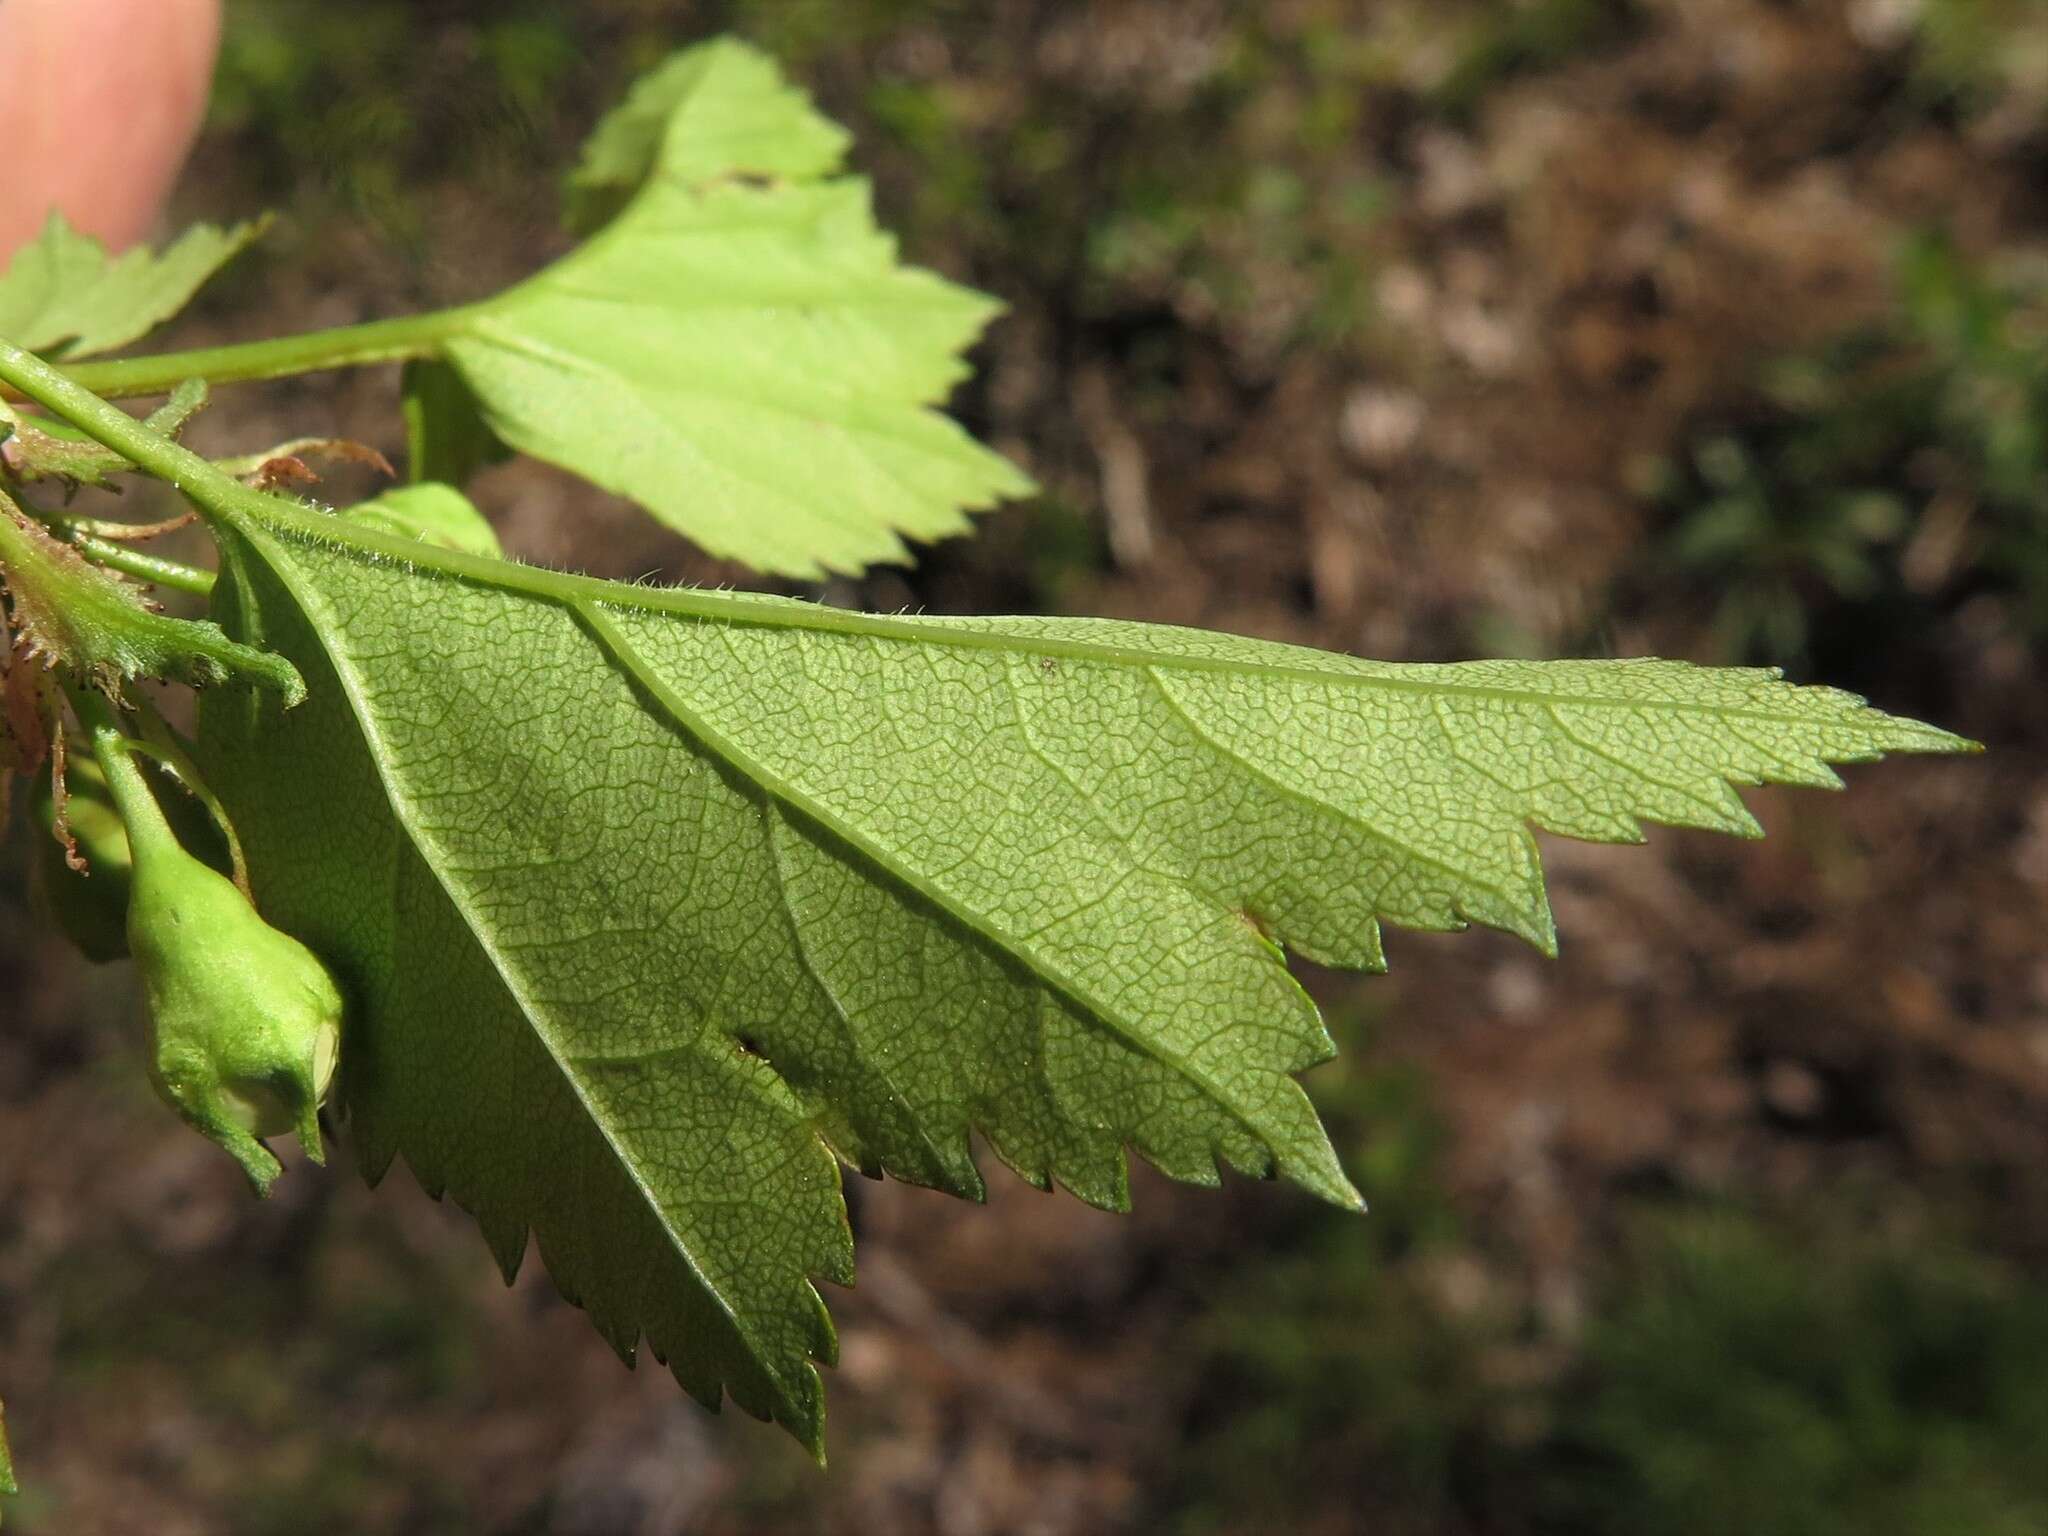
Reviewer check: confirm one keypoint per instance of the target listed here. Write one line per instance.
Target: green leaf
(678, 888)
(64, 612)
(740, 351)
(65, 297)
(670, 892)
(436, 514)
(445, 436)
(718, 110)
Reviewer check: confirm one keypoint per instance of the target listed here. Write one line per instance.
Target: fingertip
(100, 101)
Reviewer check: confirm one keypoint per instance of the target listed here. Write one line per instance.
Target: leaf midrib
(751, 611)
(1018, 948)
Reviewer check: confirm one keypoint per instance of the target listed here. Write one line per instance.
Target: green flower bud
(89, 906)
(245, 1022)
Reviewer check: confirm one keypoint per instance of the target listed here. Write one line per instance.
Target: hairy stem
(114, 428)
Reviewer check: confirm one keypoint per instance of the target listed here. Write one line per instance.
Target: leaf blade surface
(740, 350)
(717, 110)
(63, 295)
(875, 884)
(457, 1055)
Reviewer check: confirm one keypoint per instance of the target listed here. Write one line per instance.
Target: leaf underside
(740, 350)
(433, 513)
(446, 437)
(63, 296)
(645, 900)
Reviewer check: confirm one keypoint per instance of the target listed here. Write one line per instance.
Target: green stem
(129, 562)
(350, 346)
(114, 428)
(148, 828)
(162, 738)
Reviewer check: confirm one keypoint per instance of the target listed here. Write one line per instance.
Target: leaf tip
(1917, 736)
(1535, 924)
(1331, 1185)
(258, 1165)
(815, 1446)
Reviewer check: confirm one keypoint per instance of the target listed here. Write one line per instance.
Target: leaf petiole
(154, 569)
(351, 346)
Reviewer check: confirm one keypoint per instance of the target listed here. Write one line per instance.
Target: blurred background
(1422, 329)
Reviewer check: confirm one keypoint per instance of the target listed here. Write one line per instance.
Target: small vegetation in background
(1774, 1377)
(1348, 1366)
(1745, 1369)
(1887, 478)
(1983, 56)
(358, 107)
(1500, 39)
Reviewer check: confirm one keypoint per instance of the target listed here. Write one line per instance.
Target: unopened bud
(244, 1020)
